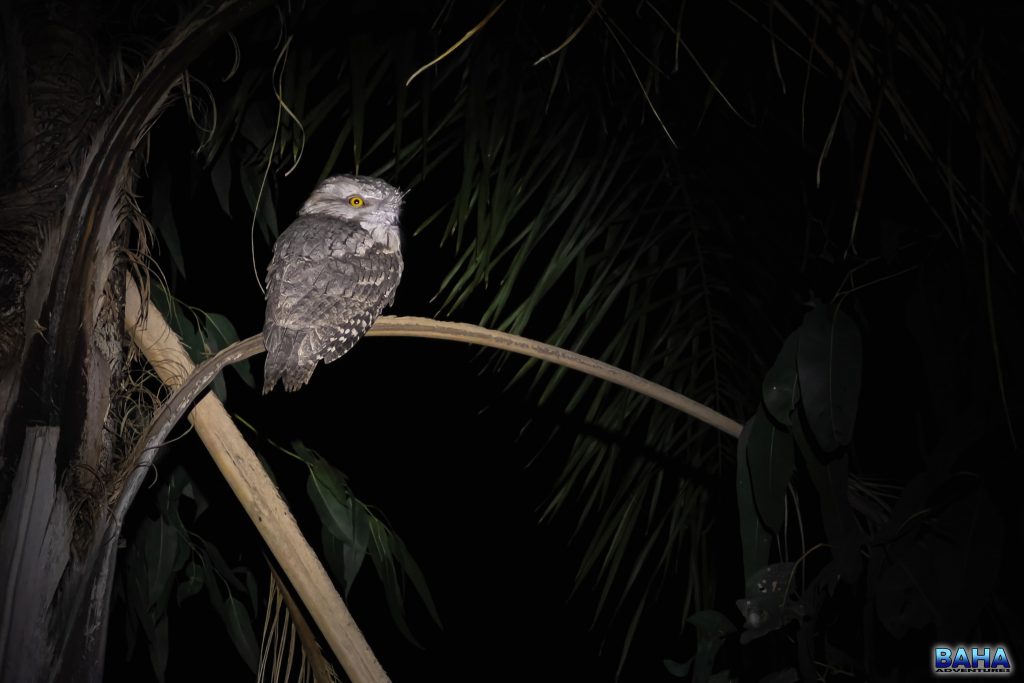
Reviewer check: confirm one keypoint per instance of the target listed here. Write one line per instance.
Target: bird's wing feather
(326, 285)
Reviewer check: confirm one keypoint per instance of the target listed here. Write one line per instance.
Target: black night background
(806, 215)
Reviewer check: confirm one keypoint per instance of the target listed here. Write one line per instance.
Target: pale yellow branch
(390, 326)
(257, 493)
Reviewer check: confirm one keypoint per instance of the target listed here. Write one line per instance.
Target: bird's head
(371, 202)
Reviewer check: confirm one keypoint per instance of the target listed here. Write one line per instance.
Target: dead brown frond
(289, 649)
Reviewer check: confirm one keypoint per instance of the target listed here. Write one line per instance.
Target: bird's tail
(283, 359)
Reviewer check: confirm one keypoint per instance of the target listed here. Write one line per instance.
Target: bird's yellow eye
(356, 200)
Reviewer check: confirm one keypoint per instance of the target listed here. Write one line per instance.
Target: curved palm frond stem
(401, 326)
(427, 328)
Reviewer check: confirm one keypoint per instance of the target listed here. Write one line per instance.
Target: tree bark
(62, 343)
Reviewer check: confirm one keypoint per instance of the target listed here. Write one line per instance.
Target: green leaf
(220, 177)
(268, 214)
(239, 625)
(131, 631)
(768, 604)
(223, 334)
(193, 493)
(755, 538)
(212, 581)
(678, 669)
(232, 612)
(711, 624)
(250, 587)
(779, 389)
(829, 367)
(328, 491)
(770, 458)
(217, 568)
(341, 515)
(712, 629)
(192, 583)
(831, 481)
(255, 126)
(159, 646)
(334, 554)
(419, 582)
(388, 552)
(345, 559)
(212, 343)
(900, 602)
(163, 217)
(355, 552)
(383, 557)
(137, 587)
(165, 553)
(191, 339)
(168, 499)
(304, 453)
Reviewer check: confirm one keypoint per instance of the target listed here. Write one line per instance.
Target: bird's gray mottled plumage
(334, 270)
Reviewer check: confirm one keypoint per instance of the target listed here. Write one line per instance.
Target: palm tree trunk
(62, 361)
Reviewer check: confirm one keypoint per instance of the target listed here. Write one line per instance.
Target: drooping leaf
(754, 536)
(415, 574)
(191, 338)
(239, 626)
(712, 629)
(394, 564)
(163, 217)
(165, 553)
(779, 389)
(350, 532)
(770, 459)
(831, 481)
(191, 491)
(678, 669)
(354, 552)
(343, 558)
(328, 491)
(220, 177)
(131, 630)
(217, 568)
(829, 367)
(383, 555)
(334, 555)
(221, 586)
(250, 587)
(191, 583)
(137, 587)
(159, 648)
(223, 333)
(788, 675)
